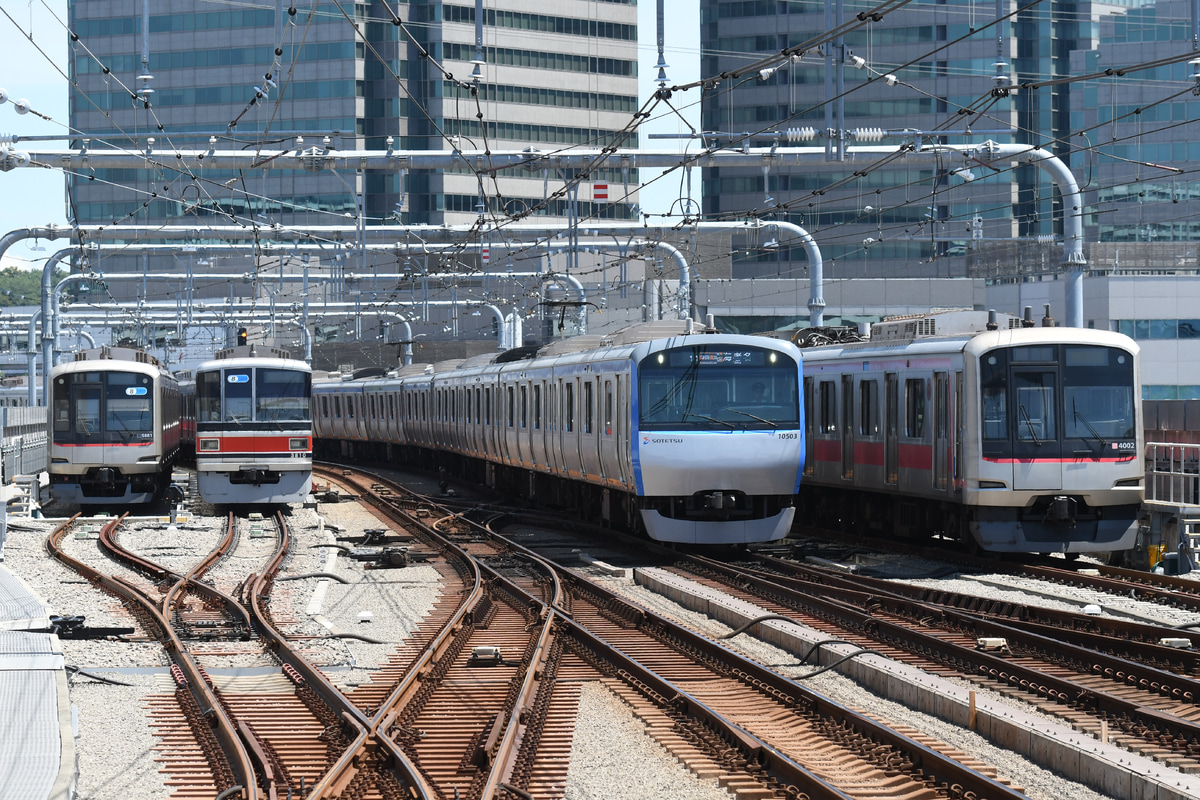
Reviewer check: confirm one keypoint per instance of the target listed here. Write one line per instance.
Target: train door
(524, 453)
(810, 440)
(606, 433)
(959, 427)
(560, 440)
(550, 427)
(847, 427)
(941, 430)
(510, 453)
(621, 425)
(571, 450)
(891, 446)
(1036, 450)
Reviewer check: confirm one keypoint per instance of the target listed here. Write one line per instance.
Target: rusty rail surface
(230, 764)
(1034, 666)
(705, 687)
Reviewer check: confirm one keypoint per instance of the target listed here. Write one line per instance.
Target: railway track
(271, 736)
(737, 717)
(480, 699)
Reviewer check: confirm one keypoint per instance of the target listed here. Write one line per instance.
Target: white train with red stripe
(253, 427)
(114, 428)
(1009, 437)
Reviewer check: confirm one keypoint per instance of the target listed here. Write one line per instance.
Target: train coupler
(1061, 510)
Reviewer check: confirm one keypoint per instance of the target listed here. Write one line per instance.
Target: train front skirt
(251, 485)
(734, 531)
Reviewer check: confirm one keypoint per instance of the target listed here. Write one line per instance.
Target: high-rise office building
(923, 73)
(1140, 174)
(268, 73)
(272, 74)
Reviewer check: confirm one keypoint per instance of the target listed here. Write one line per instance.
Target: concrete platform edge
(1055, 747)
(66, 784)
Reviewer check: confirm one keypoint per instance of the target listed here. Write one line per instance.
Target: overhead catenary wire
(687, 216)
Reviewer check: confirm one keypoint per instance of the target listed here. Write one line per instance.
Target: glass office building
(271, 73)
(907, 217)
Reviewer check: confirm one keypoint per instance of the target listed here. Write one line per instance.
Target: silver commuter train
(253, 429)
(1013, 439)
(654, 426)
(115, 427)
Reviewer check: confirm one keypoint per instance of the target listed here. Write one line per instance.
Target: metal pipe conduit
(317, 159)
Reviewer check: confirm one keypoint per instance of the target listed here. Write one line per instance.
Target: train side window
(537, 407)
(608, 408)
(391, 406)
(62, 407)
(325, 407)
(337, 407)
(993, 386)
(828, 399)
(373, 415)
(478, 391)
(868, 408)
(914, 408)
(568, 407)
(208, 389)
(511, 409)
(524, 406)
(487, 406)
(588, 404)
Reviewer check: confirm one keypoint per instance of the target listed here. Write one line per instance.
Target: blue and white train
(696, 438)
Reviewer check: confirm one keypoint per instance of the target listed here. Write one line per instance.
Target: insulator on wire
(801, 134)
(867, 134)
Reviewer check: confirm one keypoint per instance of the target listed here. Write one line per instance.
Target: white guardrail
(1173, 473)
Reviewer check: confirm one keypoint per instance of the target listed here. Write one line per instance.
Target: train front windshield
(253, 395)
(106, 407)
(718, 388)
(1058, 401)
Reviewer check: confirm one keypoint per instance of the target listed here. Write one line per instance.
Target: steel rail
(1087, 630)
(754, 750)
(363, 736)
(238, 761)
(848, 612)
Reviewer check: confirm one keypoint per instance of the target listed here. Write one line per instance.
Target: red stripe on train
(251, 444)
(871, 454)
(146, 443)
(1073, 460)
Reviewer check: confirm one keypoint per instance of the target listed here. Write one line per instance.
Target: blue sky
(35, 197)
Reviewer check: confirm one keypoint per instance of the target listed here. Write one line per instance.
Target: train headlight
(209, 445)
(297, 444)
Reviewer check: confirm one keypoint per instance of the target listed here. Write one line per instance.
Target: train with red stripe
(988, 429)
(253, 426)
(115, 428)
